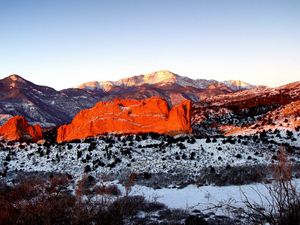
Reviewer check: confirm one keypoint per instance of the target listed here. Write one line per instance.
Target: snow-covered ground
(175, 164)
(209, 198)
(114, 155)
(202, 198)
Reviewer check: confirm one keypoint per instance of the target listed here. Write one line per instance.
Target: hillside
(41, 104)
(254, 108)
(49, 107)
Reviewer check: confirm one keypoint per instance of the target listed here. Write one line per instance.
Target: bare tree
(282, 201)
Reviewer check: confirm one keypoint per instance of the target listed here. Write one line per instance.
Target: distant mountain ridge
(41, 104)
(162, 78)
(49, 107)
(250, 110)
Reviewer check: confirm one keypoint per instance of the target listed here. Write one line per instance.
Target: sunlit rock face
(128, 117)
(18, 129)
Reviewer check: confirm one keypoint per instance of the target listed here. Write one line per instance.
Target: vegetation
(280, 205)
(40, 200)
(283, 200)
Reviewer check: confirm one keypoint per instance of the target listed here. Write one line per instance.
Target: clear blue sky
(62, 43)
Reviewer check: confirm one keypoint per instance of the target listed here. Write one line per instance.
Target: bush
(195, 220)
(192, 156)
(88, 157)
(107, 189)
(79, 154)
(52, 207)
(8, 158)
(87, 169)
(283, 202)
(238, 156)
(147, 175)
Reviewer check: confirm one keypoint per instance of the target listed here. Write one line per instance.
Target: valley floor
(179, 161)
(200, 176)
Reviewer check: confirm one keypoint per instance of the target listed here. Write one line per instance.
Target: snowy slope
(162, 78)
(121, 155)
(41, 104)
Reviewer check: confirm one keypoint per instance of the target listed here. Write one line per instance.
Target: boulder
(128, 117)
(18, 129)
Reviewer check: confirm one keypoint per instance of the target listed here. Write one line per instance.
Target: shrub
(88, 157)
(238, 156)
(107, 189)
(195, 220)
(147, 175)
(192, 156)
(283, 202)
(8, 158)
(87, 169)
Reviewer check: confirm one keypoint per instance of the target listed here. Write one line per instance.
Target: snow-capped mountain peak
(238, 85)
(161, 78)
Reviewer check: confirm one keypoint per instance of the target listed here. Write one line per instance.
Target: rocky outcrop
(128, 117)
(18, 129)
(51, 108)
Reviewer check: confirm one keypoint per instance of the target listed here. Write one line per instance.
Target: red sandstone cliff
(128, 116)
(18, 129)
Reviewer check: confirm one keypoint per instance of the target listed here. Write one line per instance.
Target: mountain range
(249, 111)
(215, 104)
(49, 107)
(170, 86)
(162, 78)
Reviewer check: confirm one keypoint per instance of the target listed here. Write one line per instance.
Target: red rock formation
(128, 117)
(18, 129)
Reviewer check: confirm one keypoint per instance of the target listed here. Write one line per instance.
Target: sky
(63, 43)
